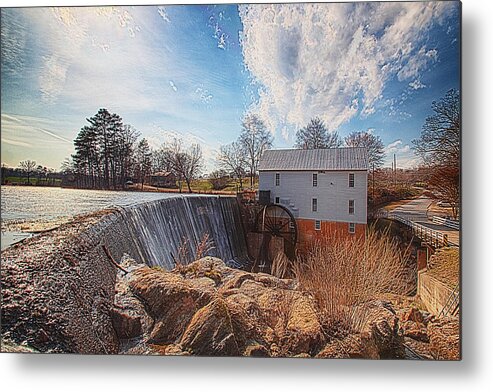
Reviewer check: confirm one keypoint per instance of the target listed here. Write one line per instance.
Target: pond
(27, 209)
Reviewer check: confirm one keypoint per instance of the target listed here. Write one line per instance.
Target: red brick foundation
(307, 235)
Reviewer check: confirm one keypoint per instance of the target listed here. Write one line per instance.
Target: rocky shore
(208, 309)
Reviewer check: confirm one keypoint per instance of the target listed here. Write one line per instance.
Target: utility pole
(395, 169)
(373, 183)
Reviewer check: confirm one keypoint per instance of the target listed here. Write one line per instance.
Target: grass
(32, 181)
(444, 265)
(343, 274)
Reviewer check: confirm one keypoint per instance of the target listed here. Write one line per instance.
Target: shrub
(342, 274)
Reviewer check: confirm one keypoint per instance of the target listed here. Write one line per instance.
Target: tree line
(110, 155)
(439, 148)
(30, 170)
(241, 157)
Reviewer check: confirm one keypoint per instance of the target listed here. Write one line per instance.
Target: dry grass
(342, 274)
(185, 255)
(444, 265)
(281, 266)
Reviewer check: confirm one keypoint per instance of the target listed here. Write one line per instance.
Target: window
(351, 180)
(278, 179)
(314, 205)
(277, 200)
(315, 179)
(352, 228)
(317, 225)
(351, 207)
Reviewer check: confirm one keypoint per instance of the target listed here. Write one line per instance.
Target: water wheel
(275, 220)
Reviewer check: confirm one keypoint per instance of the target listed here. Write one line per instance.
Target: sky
(194, 71)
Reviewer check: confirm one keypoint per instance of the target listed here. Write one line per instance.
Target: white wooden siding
(332, 193)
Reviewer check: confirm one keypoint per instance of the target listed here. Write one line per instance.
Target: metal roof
(347, 158)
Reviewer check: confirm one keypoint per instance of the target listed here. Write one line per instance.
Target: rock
(415, 331)
(360, 346)
(171, 300)
(444, 334)
(256, 350)
(126, 326)
(413, 314)
(383, 325)
(303, 327)
(218, 329)
(419, 347)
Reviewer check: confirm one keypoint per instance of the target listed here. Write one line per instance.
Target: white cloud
(163, 14)
(417, 63)
(52, 79)
(16, 142)
(417, 84)
(332, 60)
(203, 95)
(159, 135)
(393, 147)
(405, 157)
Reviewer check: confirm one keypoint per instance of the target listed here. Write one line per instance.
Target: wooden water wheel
(275, 220)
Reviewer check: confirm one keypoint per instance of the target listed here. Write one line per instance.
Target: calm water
(27, 204)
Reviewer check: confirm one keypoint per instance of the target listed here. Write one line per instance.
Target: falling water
(159, 229)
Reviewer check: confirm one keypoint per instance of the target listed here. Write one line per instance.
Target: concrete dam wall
(161, 230)
(58, 288)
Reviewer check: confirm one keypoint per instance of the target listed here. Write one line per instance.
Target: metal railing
(433, 237)
(453, 224)
(451, 307)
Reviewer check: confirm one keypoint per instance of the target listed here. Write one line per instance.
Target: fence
(453, 224)
(433, 237)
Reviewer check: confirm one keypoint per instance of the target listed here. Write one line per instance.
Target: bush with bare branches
(343, 274)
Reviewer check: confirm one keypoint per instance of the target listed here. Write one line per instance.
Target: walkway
(414, 214)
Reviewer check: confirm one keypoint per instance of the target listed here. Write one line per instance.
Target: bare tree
(186, 163)
(439, 143)
(219, 179)
(373, 144)
(28, 167)
(439, 147)
(232, 159)
(254, 139)
(445, 185)
(315, 135)
(143, 161)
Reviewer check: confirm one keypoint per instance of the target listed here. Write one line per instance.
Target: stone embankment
(209, 309)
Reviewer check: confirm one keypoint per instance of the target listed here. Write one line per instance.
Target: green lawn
(33, 181)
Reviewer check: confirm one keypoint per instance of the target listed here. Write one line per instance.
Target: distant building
(163, 180)
(325, 189)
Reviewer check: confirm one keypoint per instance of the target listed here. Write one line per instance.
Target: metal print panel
(232, 180)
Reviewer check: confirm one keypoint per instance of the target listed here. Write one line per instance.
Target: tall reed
(344, 273)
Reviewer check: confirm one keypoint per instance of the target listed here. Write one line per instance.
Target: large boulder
(219, 329)
(379, 336)
(170, 299)
(444, 335)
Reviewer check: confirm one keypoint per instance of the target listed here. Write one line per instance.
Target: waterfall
(159, 229)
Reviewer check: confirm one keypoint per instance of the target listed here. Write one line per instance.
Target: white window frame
(314, 204)
(277, 200)
(315, 179)
(277, 180)
(318, 225)
(352, 227)
(351, 180)
(351, 207)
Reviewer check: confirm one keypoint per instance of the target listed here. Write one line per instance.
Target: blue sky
(194, 71)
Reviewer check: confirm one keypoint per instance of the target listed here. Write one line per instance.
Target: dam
(71, 270)
(160, 230)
